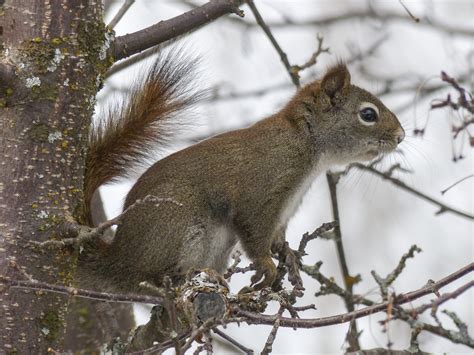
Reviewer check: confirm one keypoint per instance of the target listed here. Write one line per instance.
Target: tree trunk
(52, 59)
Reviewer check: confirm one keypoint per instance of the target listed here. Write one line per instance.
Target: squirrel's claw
(266, 269)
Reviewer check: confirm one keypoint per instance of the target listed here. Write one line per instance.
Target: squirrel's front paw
(264, 268)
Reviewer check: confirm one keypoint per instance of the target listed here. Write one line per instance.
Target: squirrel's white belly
(207, 246)
(292, 204)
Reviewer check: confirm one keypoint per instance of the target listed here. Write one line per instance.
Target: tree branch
(284, 58)
(444, 297)
(77, 292)
(81, 233)
(413, 17)
(117, 67)
(136, 42)
(286, 85)
(385, 282)
(370, 14)
(268, 347)
(456, 183)
(324, 228)
(443, 207)
(328, 286)
(349, 280)
(118, 16)
(314, 57)
(255, 318)
(233, 341)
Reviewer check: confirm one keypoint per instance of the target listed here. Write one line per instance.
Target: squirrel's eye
(368, 114)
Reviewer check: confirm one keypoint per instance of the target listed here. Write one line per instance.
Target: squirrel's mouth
(379, 147)
(387, 146)
(371, 154)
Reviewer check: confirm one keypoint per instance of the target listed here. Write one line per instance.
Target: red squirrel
(240, 186)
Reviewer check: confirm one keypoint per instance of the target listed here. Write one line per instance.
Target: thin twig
(284, 58)
(267, 348)
(118, 16)
(83, 233)
(465, 107)
(443, 298)
(196, 333)
(463, 128)
(125, 63)
(414, 345)
(442, 206)
(463, 100)
(424, 90)
(413, 17)
(159, 348)
(454, 337)
(233, 341)
(385, 282)
(231, 270)
(349, 281)
(285, 85)
(108, 4)
(324, 228)
(242, 270)
(81, 293)
(312, 60)
(458, 322)
(365, 14)
(329, 286)
(170, 306)
(304, 308)
(208, 344)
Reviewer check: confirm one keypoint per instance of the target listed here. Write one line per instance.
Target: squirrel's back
(148, 118)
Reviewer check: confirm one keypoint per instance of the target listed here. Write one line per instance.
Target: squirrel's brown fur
(148, 118)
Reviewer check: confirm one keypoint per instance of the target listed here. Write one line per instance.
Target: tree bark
(53, 56)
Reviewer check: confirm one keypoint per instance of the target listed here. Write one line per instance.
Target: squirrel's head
(357, 125)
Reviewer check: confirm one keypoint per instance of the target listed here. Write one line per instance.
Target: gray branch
(163, 31)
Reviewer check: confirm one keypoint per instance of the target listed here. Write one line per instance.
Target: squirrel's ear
(336, 80)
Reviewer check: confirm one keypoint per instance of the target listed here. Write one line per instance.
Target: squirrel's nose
(400, 134)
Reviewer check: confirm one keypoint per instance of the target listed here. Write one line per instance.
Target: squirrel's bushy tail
(148, 118)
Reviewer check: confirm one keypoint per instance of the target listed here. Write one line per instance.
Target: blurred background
(389, 54)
